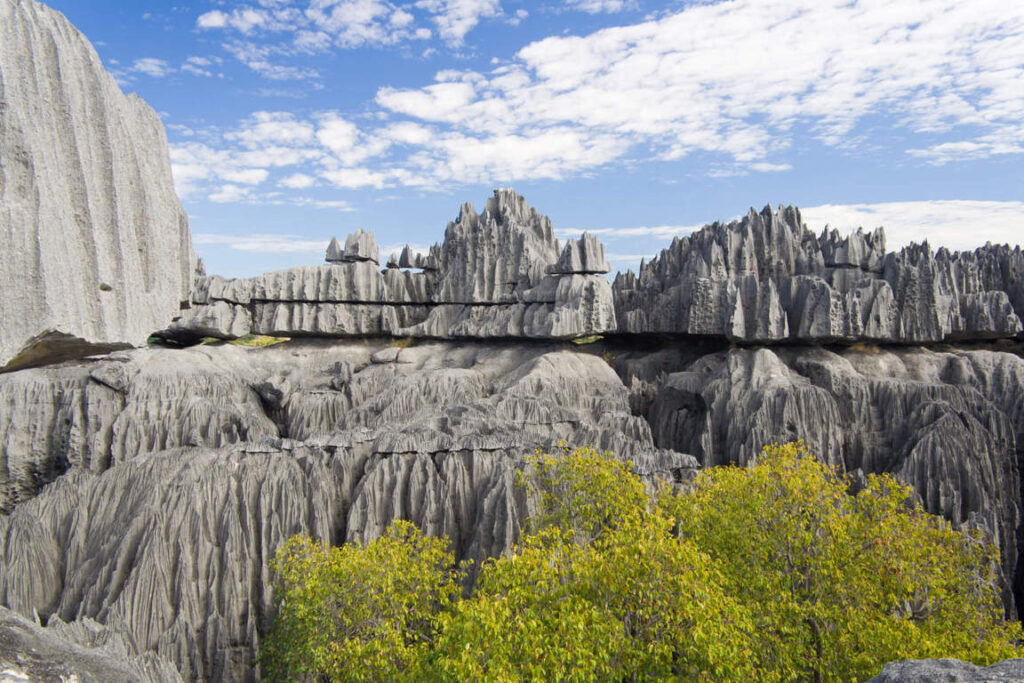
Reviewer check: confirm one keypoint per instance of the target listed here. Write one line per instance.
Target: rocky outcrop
(767, 278)
(498, 274)
(180, 472)
(950, 671)
(950, 424)
(96, 247)
(85, 651)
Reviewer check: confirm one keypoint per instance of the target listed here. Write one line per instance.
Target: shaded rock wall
(95, 243)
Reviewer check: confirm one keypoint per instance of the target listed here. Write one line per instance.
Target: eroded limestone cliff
(96, 246)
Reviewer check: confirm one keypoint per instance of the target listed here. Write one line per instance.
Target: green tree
(357, 613)
(769, 573)
(599, 590)
(839, 584)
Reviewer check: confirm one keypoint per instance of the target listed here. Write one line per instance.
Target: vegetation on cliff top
(769, 573)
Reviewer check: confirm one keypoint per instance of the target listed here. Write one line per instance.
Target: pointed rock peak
(509, 206)
(334, 251)
(361, 246)
(582, 256)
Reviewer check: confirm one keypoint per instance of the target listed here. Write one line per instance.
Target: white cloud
(150, 66)
(737, 78)
(598, 6)
(735, 81)
(955, 224)
(246, 176)
(455, 18)
(298, 181)
(265, 128)
(263, 244)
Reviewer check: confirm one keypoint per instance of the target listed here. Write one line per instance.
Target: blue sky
(294, 120)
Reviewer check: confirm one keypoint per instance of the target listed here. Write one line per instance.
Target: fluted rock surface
(84, 651)
(950, 671)
(96, 245)
(498, 274)
(184, 470)
(768, 278)
(950, 424)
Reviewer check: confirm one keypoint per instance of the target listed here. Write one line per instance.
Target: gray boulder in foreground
(96, 246)
(950, 671)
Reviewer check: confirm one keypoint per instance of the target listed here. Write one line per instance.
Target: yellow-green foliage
(357, 613)
(838, 585)
(769, 573)
(257, 340)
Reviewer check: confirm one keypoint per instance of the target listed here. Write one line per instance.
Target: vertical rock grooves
(96, 243)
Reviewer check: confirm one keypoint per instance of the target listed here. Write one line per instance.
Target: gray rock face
(96, 245)
(85, 651)
(949, 424)
(496, 275)
(767, 278)
(950, 671)
(184, 470)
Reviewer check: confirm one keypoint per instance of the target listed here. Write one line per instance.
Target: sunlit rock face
(96, 246)
(767, 278)
(175, 474)
(83, 651)
(952, 670)
(497, 274)
(950, 424)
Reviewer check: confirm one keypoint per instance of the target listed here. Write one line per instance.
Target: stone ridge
(498, 274)
(502, 274)
(768, 278)
(96, 245)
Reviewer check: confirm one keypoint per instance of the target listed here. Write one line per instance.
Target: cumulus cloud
(150, 66)
(736, 81)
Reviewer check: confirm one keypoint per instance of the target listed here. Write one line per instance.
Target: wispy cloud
(955, 224)
(680, 84)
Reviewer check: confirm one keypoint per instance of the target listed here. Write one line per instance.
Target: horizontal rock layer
(497, 274)
(96, 246)
(951, 671)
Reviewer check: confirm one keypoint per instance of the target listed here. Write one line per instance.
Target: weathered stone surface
(949, 424)
(489, 279)
(96, 245)
(583, 256)
(767, 278)
(361, 246)
(84, 651)
(184, 469)
(950, 671)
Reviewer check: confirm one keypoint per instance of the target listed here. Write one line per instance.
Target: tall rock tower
(94, 245)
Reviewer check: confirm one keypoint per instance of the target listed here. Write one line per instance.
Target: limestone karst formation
(96, 247)
(143, 491)
(498, 274)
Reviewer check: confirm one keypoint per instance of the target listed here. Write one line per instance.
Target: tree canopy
(773, 572)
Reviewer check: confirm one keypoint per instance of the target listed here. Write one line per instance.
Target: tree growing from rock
(769, 573)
